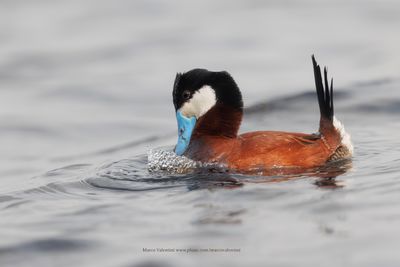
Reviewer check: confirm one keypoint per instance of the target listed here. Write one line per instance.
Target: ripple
(134, 175)
(165, 170)
(47, 245)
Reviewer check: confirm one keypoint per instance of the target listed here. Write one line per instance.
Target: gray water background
(85, 92)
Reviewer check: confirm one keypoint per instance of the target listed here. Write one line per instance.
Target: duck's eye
(186, 95)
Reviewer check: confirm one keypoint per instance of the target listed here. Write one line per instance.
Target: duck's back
(266, 149)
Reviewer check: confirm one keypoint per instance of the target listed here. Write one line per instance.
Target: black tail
(325, 95)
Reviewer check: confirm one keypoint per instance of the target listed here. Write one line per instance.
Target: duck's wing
(284, 148)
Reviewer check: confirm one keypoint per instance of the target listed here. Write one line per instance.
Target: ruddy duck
(209, 110)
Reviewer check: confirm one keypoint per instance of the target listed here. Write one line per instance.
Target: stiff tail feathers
(325, 94)
(330, 127)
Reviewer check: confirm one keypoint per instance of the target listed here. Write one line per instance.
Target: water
(85, 93)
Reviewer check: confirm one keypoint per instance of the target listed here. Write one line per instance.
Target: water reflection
(133, 175)
(325, 176)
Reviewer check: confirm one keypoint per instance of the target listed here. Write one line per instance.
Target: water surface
(85, 93)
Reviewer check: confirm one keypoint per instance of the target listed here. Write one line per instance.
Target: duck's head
(206, 103)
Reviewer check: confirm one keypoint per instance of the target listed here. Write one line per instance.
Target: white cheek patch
(201, 102)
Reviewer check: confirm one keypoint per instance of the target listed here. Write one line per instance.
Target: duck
(209, 111)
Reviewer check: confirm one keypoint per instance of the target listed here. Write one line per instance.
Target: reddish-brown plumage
(215, 139)
(264, 149)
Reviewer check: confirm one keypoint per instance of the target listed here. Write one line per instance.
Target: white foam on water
(162, 160)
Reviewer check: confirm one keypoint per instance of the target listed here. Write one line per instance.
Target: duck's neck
(221, 120)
